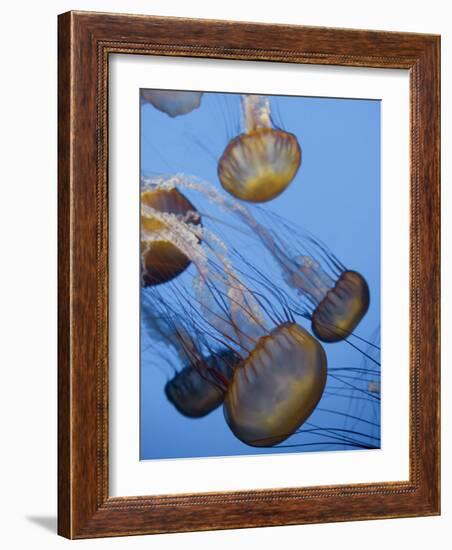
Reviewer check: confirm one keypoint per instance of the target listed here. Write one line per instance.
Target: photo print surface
(260, 274)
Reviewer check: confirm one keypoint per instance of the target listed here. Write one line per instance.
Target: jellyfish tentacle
(354, 387)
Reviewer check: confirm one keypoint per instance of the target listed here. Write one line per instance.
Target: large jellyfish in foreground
(332, 297)
(281, 372)
(260, 163)
(277, 388)
(173, 103)
(161, 258)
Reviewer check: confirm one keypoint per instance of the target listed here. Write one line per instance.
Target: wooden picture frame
(86, 40)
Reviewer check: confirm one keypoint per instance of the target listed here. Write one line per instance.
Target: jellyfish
(261, 162)
(332, 297)
(173, 103)
(199, 387)
(339, 302)
(162, 260)
(275, 390)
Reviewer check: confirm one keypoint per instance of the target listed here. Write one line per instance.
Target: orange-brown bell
(343, 307)
(258, 165)
(199, 388)
(161, 260)
(277, 387)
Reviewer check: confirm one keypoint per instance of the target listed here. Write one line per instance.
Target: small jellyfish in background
(336, 300)
(173, 103)
(162, 260)
(199, 387)
(260, 163)
(333, 297)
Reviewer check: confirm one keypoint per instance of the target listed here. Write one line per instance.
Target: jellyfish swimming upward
(261, 162)
(173, 103)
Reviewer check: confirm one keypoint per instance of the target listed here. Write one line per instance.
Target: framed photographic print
(248, 275)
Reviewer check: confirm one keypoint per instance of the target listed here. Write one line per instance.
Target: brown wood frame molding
(85, 42)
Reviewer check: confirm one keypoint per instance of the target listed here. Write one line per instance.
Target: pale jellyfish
(173, 103)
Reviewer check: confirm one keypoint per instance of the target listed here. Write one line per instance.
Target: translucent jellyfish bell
(173, 103)
(260, 163)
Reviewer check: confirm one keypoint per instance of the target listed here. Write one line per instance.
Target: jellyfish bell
(259, 164)
(343, 307)
(336, 298)
(200, 387)
(277, 387)
(161, 259)
(173, 103)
